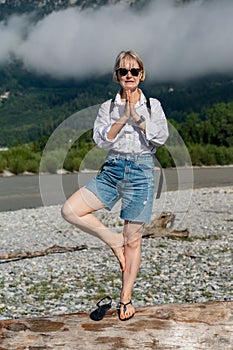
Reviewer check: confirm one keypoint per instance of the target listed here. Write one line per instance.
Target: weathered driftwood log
(52, 250)
(204, 326)
(163, 227)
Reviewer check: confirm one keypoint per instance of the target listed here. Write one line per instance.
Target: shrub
(3, 163)
(20, 159)
(52, 161)
(72, 163)
(164, 157)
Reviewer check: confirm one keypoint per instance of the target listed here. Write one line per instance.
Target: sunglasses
(123, 71)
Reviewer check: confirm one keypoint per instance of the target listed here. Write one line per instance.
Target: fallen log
(203, 326)
(52, 250)
(163, 227)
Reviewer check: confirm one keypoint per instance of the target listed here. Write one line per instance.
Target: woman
(129, 130)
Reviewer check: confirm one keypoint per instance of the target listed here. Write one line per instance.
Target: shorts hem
(136, 220)
(107, 207)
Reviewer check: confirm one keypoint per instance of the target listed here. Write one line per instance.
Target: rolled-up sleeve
(156, 126)
(102, 126)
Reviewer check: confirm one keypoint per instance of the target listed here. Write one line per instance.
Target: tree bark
(204, 326)
(163, 227)
(52, 250)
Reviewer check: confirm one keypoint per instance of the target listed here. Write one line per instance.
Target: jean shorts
(129, 178)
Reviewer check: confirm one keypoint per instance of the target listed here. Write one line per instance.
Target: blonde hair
(132, 55)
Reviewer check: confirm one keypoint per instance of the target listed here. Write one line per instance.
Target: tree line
(208, 137)
(200, 110)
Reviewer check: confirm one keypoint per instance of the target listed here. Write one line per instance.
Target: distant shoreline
(19, 192)
(7, 173)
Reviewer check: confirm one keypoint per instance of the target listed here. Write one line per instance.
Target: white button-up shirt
(131, 139)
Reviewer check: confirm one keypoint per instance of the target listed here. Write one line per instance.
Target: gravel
(197, 269)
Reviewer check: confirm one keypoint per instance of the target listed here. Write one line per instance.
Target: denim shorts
(129, 178)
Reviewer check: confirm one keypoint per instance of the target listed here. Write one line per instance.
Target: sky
(175, 42)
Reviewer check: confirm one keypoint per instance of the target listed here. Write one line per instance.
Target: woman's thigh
(83, 202)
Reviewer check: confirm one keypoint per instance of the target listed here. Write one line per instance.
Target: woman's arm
(157, 126)
(116, 127)
(120, 123)
(106, 131)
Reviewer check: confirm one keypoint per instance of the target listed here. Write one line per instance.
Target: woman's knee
(133, 235)
(133, 239)
(72, 207)
(66, 211)
(133, 243)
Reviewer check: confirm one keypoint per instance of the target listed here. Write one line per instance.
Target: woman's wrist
(123, 119)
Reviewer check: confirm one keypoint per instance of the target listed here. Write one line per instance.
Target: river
(18, 192)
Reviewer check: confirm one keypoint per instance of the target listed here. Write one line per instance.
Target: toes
(130, 311)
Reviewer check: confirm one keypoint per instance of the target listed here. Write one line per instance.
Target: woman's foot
(117, 246)
(126, 311)
(119, 253)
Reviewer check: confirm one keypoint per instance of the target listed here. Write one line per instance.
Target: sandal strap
(101, 300)
(125, 305)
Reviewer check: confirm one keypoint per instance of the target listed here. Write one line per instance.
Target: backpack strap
(148, 104)
(111, 105)
(161, 176)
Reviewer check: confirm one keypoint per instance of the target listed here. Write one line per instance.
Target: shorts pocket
(110, 160)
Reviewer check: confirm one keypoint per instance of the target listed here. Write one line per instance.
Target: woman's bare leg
(132, 241)
(78, 210)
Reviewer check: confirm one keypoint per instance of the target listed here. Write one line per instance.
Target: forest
(35, 108)
(201, 111)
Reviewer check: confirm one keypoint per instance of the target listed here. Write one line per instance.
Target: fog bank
(175, 42)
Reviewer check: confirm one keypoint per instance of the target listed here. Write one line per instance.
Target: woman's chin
(130, 86)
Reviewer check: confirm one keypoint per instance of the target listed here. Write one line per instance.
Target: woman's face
(130, 80)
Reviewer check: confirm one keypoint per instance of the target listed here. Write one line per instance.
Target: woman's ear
(115, 77)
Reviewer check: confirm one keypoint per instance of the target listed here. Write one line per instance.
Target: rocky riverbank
(197, 269)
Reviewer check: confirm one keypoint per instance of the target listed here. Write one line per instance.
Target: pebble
(198, 269)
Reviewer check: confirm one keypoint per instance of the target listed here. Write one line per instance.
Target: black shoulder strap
(148, 103)
(161, 176)
(111, 105)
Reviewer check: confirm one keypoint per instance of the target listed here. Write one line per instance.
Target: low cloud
(175, 42)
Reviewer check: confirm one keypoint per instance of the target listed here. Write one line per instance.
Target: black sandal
(99, 313)
(124, 309)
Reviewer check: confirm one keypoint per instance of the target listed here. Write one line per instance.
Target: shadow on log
(204, 326)
(163, 227)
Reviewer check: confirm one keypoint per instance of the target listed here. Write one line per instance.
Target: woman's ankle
(125, 297)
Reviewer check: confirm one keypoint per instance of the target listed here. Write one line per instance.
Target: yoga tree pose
(129, 127)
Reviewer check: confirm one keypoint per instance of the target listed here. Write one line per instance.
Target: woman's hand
(132, 111)
(127, 111)
(130, 106)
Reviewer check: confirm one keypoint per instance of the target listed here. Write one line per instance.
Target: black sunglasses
(124, 71)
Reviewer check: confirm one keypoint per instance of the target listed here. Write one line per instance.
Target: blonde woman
(129, 128)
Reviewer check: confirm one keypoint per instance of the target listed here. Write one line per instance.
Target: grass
(47, 290)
